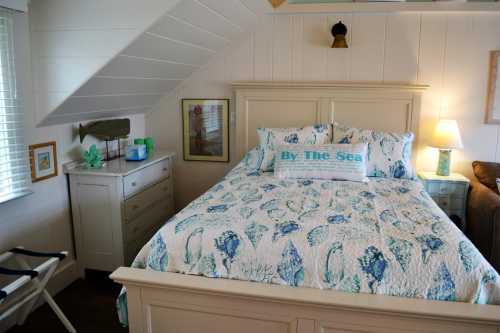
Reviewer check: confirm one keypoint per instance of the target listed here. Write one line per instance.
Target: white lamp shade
(446, 135)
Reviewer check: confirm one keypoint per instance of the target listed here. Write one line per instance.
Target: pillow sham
(271, 138)
(388, 154)
(253, 158)
(334, 161)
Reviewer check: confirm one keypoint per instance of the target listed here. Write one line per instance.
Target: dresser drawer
(153, 217)
(157, 172)
(139, 202)
(137, 181)
(133, 183)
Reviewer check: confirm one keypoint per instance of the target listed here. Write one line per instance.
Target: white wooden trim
(380, 7)
(158, 300)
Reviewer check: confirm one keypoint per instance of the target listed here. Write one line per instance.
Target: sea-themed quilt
(385, 236)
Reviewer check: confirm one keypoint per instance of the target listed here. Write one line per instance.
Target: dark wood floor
(89, 304)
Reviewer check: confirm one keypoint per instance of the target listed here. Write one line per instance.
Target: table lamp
(446, 137)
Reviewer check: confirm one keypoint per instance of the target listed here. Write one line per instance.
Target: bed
(268, 255)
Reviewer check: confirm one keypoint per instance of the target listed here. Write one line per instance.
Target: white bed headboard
(387, 107)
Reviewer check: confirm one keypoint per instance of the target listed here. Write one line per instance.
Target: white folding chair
(14, 297)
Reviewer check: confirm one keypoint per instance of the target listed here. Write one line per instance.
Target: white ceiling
(169, 51)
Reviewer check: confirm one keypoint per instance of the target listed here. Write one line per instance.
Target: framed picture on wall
(493, 99)
(43, 161)
(205, 129)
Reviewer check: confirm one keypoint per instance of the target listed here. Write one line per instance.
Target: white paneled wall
(99, 69)
(72, 39)
(448, 51)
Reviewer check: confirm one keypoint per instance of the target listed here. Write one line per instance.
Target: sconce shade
(339, 31)
(446, 135)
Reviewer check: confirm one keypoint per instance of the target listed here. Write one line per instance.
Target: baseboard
(63, 277)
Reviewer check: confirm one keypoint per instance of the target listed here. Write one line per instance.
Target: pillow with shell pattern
(388, 155)
(271, 138)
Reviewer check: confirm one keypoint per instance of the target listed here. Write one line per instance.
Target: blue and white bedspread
(386, 237)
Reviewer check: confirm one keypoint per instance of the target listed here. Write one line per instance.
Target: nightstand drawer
(443, 201)
(439, 188)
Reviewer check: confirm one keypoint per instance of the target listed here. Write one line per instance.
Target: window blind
(14, 170)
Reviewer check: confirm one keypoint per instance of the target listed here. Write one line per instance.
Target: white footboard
(177, 303)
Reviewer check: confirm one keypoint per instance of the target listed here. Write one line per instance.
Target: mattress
(385, 237)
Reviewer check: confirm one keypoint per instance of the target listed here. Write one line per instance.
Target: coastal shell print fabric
(271, 138)
(389, 154)
(386, 237)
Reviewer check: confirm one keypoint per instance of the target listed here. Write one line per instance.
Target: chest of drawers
(118, 208)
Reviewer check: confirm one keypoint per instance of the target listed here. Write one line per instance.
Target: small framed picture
(43, 161)
(205, 129)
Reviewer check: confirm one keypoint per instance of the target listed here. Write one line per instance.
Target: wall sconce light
(339, 31)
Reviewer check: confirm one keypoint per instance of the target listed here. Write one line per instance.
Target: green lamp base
(443, 168)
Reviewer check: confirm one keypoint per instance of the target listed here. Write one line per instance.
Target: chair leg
(58, 312)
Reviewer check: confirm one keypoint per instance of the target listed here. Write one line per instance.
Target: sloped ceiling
(160, 58)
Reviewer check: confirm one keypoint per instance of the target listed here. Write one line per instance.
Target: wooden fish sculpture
(106, 129)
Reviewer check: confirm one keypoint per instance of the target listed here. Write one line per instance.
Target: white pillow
(388, 154)
(253, 158)
(335, 161)
(271, 138)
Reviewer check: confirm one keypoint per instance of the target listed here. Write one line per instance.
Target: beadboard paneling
(155, 47)
(206, 18)
(368, 35)
(449, 51)
(402, 47)
(177, 29)
(282, 46)
(147, 57)
(126, 66)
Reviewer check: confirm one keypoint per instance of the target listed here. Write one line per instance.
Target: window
(14, 171)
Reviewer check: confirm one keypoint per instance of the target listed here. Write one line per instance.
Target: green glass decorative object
(93, 158)
(150, 144)
(443, 168)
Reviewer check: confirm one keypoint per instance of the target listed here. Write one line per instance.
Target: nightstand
(450, 193)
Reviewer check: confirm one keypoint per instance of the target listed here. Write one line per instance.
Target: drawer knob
(134, 184)
(165, 169)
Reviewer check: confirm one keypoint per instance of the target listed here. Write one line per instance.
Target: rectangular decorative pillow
(271, 138)
(340, 161)
(388, 154)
